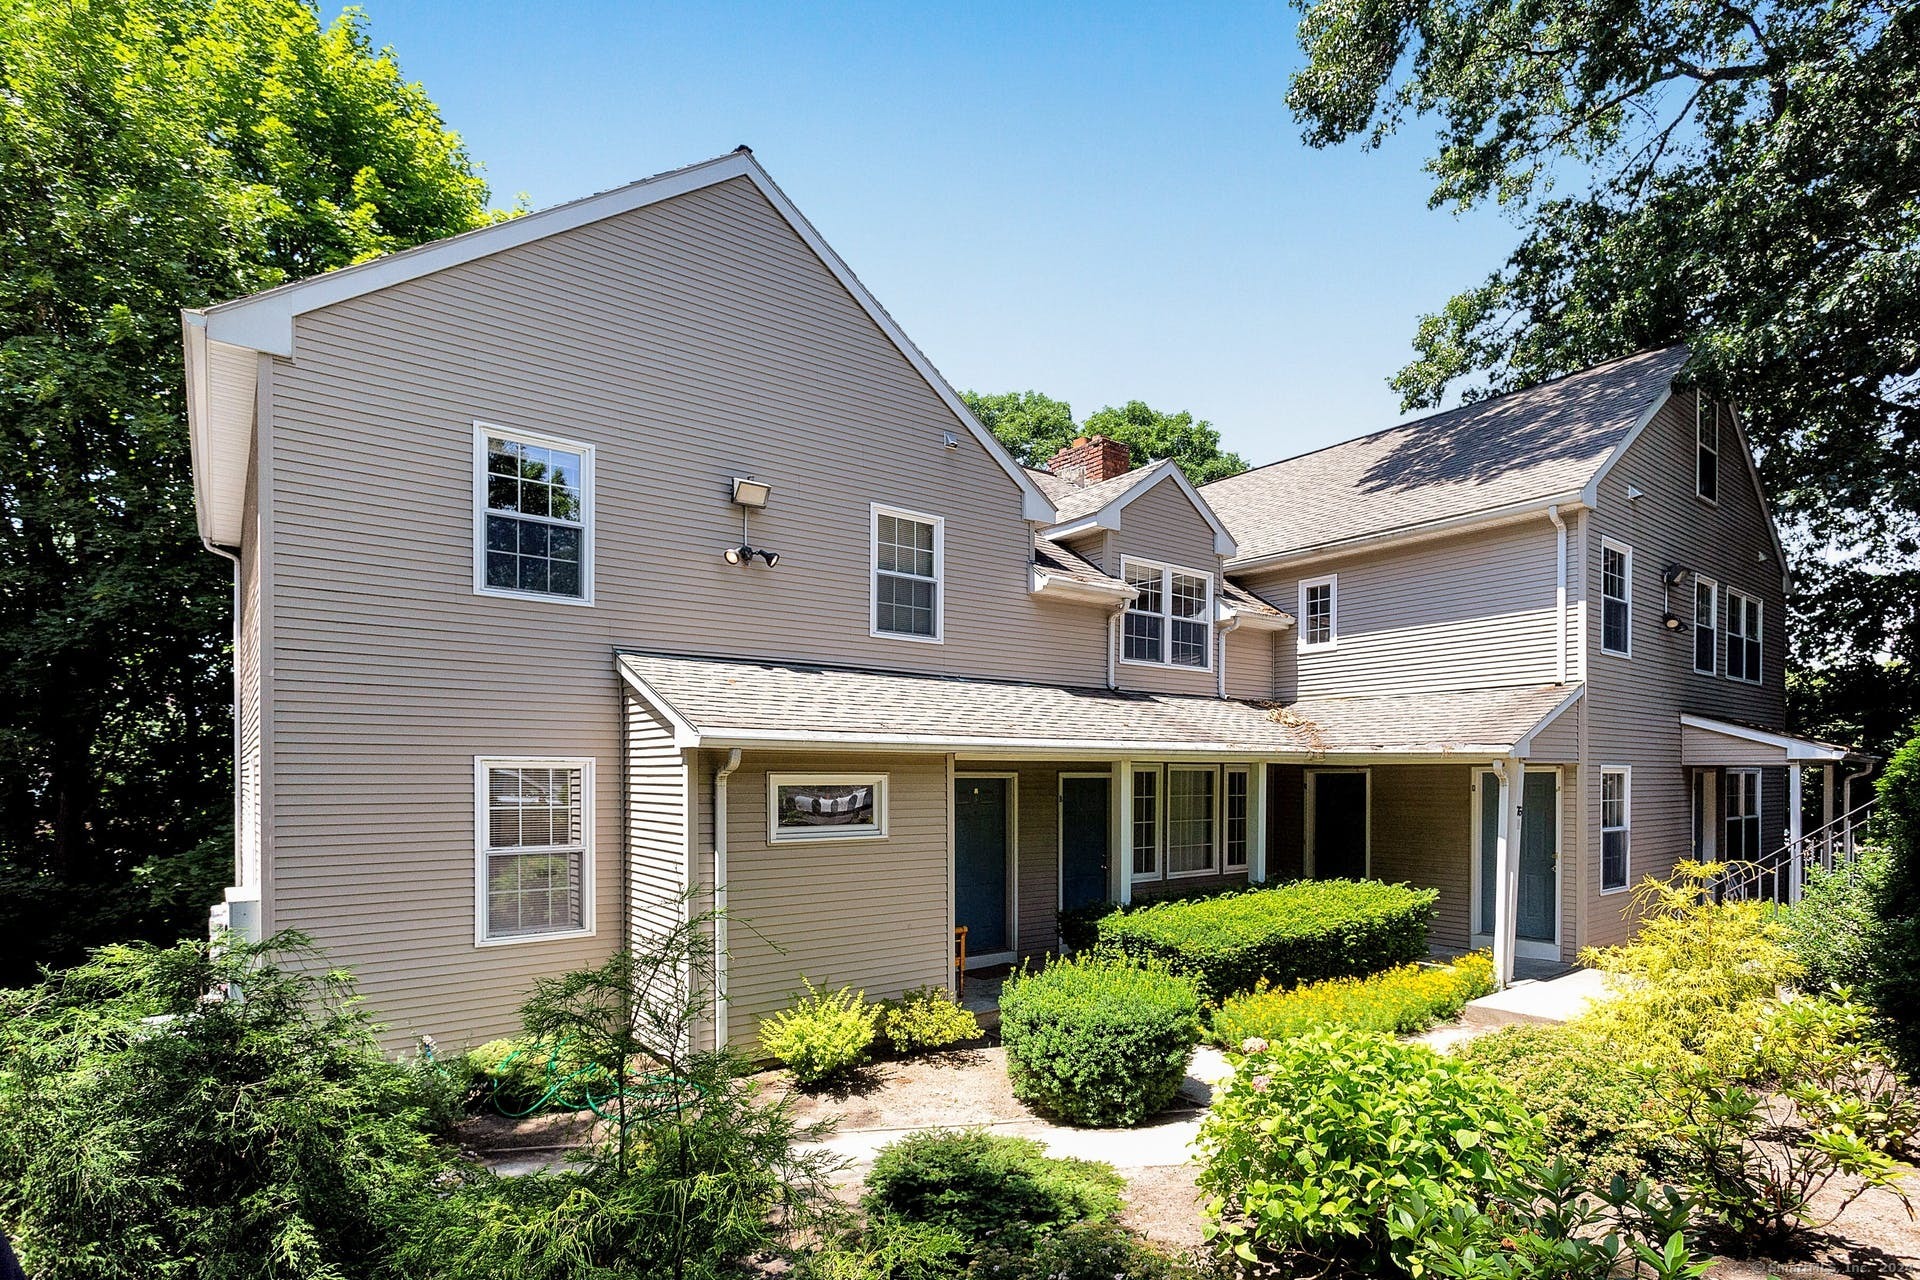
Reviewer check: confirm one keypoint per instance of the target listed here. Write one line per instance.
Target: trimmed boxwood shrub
(979, 1184)
(1097, 1039)
(1304, 931)
(1399, 1001)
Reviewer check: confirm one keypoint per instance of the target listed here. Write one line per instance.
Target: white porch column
(1120, 856)
(1826, 816)
(1795, 868)
(1257, 826)
(1506, 872)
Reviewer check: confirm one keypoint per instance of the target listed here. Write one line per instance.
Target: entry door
(1083, 841)
(1539, 854)
(980, 810)
(1338, 825)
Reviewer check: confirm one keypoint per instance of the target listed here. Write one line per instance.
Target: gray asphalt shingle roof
(731, 698)
(1523, 446)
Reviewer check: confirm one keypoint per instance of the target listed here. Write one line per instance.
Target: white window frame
(1214, 846)
(1625, 773)
(1227, 774)
(1711, 624)
(1166, 615)
(482, 765)
(874, 511)
(1705, 412)
(1728, 613)
(827, 835)
(588, 541)
(1626, 552)
(1157, 871)
(1331, 582)
(1736, 789)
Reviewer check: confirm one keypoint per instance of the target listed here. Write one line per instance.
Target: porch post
(1826, 816)
(1506, 865)
(1119, 877)
(1257, 828)
(1795, 869)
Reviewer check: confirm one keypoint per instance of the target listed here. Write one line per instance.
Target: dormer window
(1169, 623)
(533, 500)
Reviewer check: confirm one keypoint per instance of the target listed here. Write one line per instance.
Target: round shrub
(822, 1035)
(979, 1184)
(1098, 1040)
(1087, 1251)
(926, 1018)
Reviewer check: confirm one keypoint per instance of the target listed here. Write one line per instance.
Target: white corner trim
(685, 732)
(1523, 745)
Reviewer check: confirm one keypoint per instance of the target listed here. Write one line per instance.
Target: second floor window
(535, 507)
(1706, 624)
(1706, 471)
(1743, 638)
(909, 559)
(1616, 599)
(1170, 620)
(1320, 612)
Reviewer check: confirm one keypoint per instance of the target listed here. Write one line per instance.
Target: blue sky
(1102, 202)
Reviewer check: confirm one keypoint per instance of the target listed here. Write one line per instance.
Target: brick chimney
(1089, 461)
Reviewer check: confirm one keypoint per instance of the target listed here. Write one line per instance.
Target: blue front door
(1083, 842)
(1539, 854)
(980, 809)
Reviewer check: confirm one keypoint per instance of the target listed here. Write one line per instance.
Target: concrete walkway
(1558, 999)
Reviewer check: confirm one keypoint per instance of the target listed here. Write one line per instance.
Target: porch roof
(729, 702)
(1708, 742)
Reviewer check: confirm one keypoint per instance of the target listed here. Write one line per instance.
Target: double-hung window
(1616, 598)
(1192, 819)
(1320, 612)
(533, 500)
(1706, 624)
(909, 564)
(535, 862)
(1743, 637)
(1616, 827)
(1743, 816)
(1706, 467)
(1169, 621)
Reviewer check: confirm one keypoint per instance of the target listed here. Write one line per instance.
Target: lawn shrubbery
(1098, 1040)
(1300, 932)
(1832, 931)
(1400, 1001)
(926, 1018)
(824, 1034)
(979, 1184)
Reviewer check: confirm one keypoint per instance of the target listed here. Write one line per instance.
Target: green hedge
(1304, 931)
(1399, 1001)
(1098, 1040)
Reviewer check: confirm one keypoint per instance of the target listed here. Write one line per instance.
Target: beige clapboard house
(630, 548)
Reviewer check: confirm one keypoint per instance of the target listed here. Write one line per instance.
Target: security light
(742, 554)
(748, 492)
(771, 557)
(1671, 621)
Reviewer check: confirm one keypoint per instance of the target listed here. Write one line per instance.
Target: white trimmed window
(1320, 612)
(535, 847)
(1706, 624)
(1616, 827)
(1743, 816)
(1193, 798)
(909, 565)
(533, 516)
(821, 807)
(1236, 808)
(1169, 622)
(1145, 824)
(1743, 637)
(1616, 598)
(1706, 467)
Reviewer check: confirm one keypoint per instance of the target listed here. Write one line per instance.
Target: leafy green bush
(445, 1087)
(926, 1018)
(1892, 981)
(884, 1247)
(1083, 1251)
(1831, 930)
(979, 1184)
(1584, 1090)
(152, 1125)
(521, 1076)
(1098, 1040)
(1310, 1146)
(822, 1035)
(1400, 1001)
(1300, 932)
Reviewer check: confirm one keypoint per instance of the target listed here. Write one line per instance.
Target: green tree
(1741, 177)
(1035, 427)
(154, 154)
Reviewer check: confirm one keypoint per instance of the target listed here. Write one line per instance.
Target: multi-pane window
(1616, 599)
(1146, 822)
(535, 847)
(1616, 827)
(1319, 612)
(1236, 818)
(1192, 795)
(1743, 637)
(534, 500)
(1743, 816)
(1706, 471)
(1706, 624)
(907, 569)
(1170, 619)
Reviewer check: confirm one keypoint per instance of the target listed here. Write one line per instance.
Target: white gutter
(1054, 584)
(720, 777)
(1559, 593)
(1489, 518)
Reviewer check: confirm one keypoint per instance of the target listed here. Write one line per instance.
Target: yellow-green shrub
(926, 1018)
(822, 1035)
(1400, 1001)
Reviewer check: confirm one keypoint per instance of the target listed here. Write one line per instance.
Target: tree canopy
(1743, 178)
(154, 154)
(1035, 427)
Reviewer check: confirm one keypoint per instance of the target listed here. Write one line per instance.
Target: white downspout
(1559, 594)
(1113, 644)
(720, 777)
(1233, 624)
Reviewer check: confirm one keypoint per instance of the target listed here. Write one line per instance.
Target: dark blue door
(980, 862)
(1539, 854)
(1083, 842)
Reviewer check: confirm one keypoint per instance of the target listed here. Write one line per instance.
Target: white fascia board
(1523, 746)
(685, 732)
(1797, 750)
(1085, 525)
(1590, 494)
(1089, 748)
(1254, 620)
(1766, 508)
(193, 339)
(1223, 543)
(1425, 531)
(1053, 584)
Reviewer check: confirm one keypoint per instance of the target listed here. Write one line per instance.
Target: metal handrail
(1830, 846)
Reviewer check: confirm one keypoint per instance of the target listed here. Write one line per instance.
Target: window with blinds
(535, 848)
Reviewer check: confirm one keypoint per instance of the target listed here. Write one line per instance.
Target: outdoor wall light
(748, 492)
(749, 495)
(1671, 621)
(737, 555)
